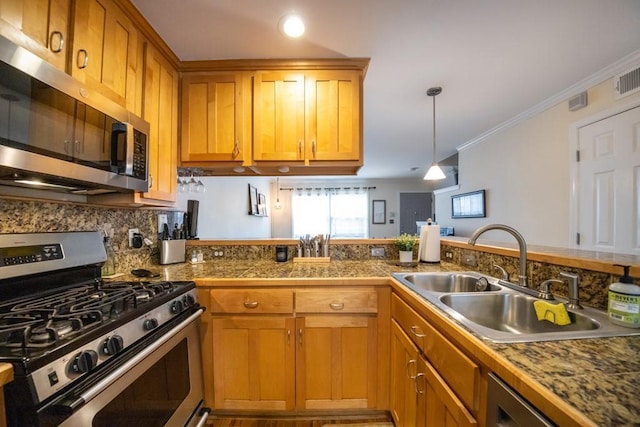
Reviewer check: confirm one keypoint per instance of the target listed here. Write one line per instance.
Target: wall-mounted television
(468, 205)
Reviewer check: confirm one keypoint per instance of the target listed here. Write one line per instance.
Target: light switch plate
(377, 252)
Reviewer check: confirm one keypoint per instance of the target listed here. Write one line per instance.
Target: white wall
(386, 189)
(526, 172)
(224, 207)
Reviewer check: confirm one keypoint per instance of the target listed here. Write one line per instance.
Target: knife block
(172, 251)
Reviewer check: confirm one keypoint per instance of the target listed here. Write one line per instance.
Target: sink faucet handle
(545, 289)
(573, 282)
(505, 275)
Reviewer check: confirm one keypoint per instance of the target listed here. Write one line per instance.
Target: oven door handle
(85, 397)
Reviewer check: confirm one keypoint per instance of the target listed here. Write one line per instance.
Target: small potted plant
(405, 243)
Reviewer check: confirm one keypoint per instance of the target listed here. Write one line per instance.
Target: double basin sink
(500, 312)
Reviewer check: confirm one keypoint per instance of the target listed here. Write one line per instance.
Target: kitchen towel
(429, 245)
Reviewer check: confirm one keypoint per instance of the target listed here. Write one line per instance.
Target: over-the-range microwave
(56, 134)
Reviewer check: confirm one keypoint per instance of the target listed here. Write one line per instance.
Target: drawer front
(355, 300)
(249, 301)
(460, 372)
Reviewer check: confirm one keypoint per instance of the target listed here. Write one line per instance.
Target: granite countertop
(598, 377)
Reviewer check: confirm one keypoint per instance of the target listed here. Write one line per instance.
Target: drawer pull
(336, 305)
(415, 383)
(252, 304)
(414, 330)
(409, 363)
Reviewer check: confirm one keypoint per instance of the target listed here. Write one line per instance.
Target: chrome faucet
(522, 277)
(573, 283)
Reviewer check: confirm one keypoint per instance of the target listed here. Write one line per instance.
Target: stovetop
(36, 325)
(36, 322)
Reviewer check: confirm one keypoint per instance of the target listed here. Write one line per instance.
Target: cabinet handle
(85, 61)
(414, 330)
(252, 304)
(313, 148)
(79, 146)
(60, 37)
(66, 146)
(300, 336)
(236, 149)
(415, 383)
(336, 305)
(409, 363)
(288, 336)
(150, 181)
(300, 148)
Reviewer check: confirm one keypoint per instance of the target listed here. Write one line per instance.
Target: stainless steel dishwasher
(506, 408)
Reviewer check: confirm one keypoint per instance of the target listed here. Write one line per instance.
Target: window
(340, 214)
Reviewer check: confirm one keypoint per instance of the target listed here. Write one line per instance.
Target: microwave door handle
(128, 170)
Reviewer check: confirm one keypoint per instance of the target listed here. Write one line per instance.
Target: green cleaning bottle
(624, 301)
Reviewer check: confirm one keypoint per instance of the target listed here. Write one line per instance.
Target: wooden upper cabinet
(333, 116)
(108, 52)
(40, 26)
(308, 117)
(214, 119)
(161, 111)
(278, 117)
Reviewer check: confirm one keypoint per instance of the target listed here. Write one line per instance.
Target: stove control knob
(176, 307)
(112, 345)
(84, 361)
(150, 324)
(188, 300)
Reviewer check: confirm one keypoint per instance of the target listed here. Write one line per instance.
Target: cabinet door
(40, 26)
(437, 404)
(278, 117)
(107, 52)
(253, 358)
(404, 359)
(161, 111)
(213, 118)
(336, 362)
(333, 115)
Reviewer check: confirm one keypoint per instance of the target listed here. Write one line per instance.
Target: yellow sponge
(554, 313)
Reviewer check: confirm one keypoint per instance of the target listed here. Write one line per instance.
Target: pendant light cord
(434, 130)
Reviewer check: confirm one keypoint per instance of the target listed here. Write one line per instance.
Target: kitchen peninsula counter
(580, 382)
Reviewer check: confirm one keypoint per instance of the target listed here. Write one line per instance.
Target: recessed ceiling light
(292, 25)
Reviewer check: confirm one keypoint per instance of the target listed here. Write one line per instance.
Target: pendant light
(277, 205)
(434, 172)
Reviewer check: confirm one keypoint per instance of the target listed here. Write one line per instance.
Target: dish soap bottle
(624, 301)
(109, 267)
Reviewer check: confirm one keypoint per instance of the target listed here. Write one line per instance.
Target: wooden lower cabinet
(336, 362)
(419, 395)
(253, 362)
(268, 357)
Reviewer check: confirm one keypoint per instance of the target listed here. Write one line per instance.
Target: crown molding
(627, 62)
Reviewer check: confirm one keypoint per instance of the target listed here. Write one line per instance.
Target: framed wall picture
(262, 205)
(253, 200)
(379, 212)
(468, 205)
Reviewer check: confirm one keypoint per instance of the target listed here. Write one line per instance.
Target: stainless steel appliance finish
(507, 408)
(83, 349)
(55, 131)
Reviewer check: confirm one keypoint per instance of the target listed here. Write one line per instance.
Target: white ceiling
(494, 58)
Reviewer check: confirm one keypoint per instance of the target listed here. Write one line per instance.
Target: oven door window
(154, 397)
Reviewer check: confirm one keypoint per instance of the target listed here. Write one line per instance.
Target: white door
(609, 184)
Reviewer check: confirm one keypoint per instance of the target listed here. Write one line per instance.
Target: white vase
(406, 257)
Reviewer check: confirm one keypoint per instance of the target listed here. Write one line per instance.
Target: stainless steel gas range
(92, 353)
